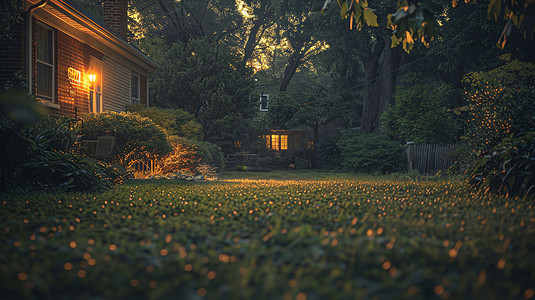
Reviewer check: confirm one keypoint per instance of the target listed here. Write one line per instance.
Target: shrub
(488, 120)
(369, 153)
(189, 156)
(508, 166)
(45, 157)
(61, 171)
(18, 113)
(136, 137)
(500, 103)
(419, 113)
(510, 169)
(329, 154)
(173, 121)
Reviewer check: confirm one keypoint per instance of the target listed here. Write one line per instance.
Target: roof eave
(105, 33)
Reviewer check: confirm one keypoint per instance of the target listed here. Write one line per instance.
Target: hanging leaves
(494, 9)
(416, 20)
(413, 21)
(358, 13)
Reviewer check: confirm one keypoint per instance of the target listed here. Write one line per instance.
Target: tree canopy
(417, 19)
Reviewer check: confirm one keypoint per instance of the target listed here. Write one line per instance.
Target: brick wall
(12, 57)
(69, 53)
(115, 16)
(72, 53)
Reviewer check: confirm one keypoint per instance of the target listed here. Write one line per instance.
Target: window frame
(283, 142)
(44, 98)
(96, 65)
(266, 108)
(277, 142)
(134, 100)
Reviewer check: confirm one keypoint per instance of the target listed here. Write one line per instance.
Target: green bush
(509, 170)
(329, 154)
(174, 121)
(506, 163)
(500, 103)
(45, 157)
(369, 153)
(61, 171)
(18, 113)
(190, 156)
(420, 114)
(136, 137)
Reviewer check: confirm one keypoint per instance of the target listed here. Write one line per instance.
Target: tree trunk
(370, 104)
(295, 60)
(253, 39)
(291, 67)
(316, 139)
(379, 92)
(251, 42)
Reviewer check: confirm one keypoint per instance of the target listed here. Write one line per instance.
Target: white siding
(116, 85)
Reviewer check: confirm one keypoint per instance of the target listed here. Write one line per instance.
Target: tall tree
(310, 102)
(299, 24)
(203, 80)
(187, 19)
(380, 61)
(260, 16)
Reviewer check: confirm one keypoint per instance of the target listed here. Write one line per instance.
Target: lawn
(285, 235)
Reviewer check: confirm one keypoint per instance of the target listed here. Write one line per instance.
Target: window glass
(275, 142)
(264, 102)
(95, 90)
(44, 81)
(284, 142)
(45, 62)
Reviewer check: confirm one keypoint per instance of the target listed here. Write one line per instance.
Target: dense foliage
(508, 167)
(191, 157)
(417, 21)
(329, 154)
(202, 79)
(369, 153)
(136, 137)
(175, 122)
(10, 18)
(420, 113)
(44, 156)
(313, 236)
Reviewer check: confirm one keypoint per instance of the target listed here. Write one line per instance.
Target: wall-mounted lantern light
(92, 77)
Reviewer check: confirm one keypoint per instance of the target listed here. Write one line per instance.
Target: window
(95, 88)
(275, 139)
(267, 138)
(284, 142)
(135, 88)
(45, 63)
(277, 142)
(264, 99)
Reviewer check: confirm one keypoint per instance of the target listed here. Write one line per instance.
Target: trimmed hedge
(136, 137)
(369, 153)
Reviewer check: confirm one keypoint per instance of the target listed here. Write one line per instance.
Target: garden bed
(316, 236)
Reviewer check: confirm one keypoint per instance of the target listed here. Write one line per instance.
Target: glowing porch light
(92, 77)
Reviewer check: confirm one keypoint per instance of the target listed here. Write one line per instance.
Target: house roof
(74, 20)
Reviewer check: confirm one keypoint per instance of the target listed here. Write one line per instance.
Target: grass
(282, 235)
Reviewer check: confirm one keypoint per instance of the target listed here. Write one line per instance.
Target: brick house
(75, 63)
